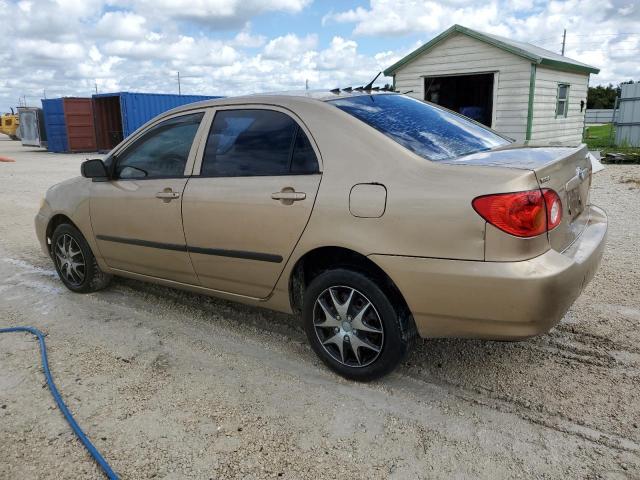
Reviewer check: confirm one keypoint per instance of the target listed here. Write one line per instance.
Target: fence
(627, 120)
(598, 115)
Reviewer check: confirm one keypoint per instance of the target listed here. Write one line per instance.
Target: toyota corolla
(373, 216)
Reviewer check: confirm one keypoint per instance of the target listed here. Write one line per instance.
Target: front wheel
(74, 261)
(352, 325)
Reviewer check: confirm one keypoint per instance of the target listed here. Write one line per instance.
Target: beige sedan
(375, 216)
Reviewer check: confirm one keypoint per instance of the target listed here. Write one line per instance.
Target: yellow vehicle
(9, 123)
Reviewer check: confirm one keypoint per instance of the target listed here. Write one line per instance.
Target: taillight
(554, 208)
(523, 214)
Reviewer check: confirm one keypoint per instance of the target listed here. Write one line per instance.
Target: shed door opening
(108, 121)
(470, 95)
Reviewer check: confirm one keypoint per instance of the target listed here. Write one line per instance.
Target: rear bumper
(497, 300)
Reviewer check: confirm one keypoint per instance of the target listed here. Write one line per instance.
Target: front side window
(256, 143)
(162, 152)
(562, 103)
(426, 130)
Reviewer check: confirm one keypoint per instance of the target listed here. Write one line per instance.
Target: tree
(603, 97)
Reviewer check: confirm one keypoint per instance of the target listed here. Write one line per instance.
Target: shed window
(562, 102)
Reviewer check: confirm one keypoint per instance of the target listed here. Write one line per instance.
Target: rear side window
(428, 131)
(304, 158)
(162, 152)
(256, 143)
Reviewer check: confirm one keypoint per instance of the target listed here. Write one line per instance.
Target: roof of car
(275, 97)
(326, 95)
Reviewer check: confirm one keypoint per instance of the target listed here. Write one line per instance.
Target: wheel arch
(55, 221)
(321, 259)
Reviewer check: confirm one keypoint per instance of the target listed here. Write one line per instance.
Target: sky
(230, 47)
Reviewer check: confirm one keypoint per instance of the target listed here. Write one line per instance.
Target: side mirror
(95, 169)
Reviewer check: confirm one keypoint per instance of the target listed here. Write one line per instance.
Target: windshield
(429, 131)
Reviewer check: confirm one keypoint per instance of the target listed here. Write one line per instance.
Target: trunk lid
(565, 170)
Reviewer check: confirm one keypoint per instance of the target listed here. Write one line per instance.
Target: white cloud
(66, 46)
(46, 50)
(289, 45)
(397, 17)
(121, 25)
(245, 39)
(222, 14)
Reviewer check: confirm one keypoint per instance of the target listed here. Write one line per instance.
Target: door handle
(167, 195)
(286, 195)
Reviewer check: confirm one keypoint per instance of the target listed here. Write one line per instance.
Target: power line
(544, 39)
(603, 34)
(601, 42)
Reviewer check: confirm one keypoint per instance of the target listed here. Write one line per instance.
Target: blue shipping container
(120, 114)
(138, 108)
(55, 125)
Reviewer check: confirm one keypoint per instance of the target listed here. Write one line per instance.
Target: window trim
(565, 100)
(197, 168)
(142, 131)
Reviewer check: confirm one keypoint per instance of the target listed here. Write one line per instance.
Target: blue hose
(93, 451)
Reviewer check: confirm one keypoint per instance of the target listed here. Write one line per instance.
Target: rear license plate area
(575, 202)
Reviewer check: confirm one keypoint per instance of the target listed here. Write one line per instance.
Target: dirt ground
(174, 385)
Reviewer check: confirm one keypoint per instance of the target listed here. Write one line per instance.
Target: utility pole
(179, 90)
(564, 39)
(96, 84)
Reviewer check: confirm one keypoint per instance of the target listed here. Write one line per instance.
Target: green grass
(599, 136)
(602, 137)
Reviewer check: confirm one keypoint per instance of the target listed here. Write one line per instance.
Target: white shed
(522, 91)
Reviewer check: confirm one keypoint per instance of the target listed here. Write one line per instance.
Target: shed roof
(522, 49)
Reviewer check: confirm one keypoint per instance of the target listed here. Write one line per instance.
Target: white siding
(461, 54)
(546, 127)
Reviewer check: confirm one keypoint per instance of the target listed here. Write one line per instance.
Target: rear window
(429, 131)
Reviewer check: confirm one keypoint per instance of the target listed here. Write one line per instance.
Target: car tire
(373, 342)
(74, 261)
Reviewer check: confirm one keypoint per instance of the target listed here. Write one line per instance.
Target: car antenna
(369, 85)
(408, 91)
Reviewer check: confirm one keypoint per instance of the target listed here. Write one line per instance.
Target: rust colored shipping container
(108, 120)
(81, 131)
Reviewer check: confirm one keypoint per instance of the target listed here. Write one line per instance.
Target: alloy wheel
(348, 326)
(70, 260)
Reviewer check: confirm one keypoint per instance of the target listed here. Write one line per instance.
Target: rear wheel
(75, 263)
(352, 325)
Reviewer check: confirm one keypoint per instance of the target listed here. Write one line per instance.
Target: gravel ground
(174, 385)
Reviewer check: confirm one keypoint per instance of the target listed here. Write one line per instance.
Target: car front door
(246, 210)
(136, 216)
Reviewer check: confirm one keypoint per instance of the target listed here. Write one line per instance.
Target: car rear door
(136, 216)
(247, 208)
